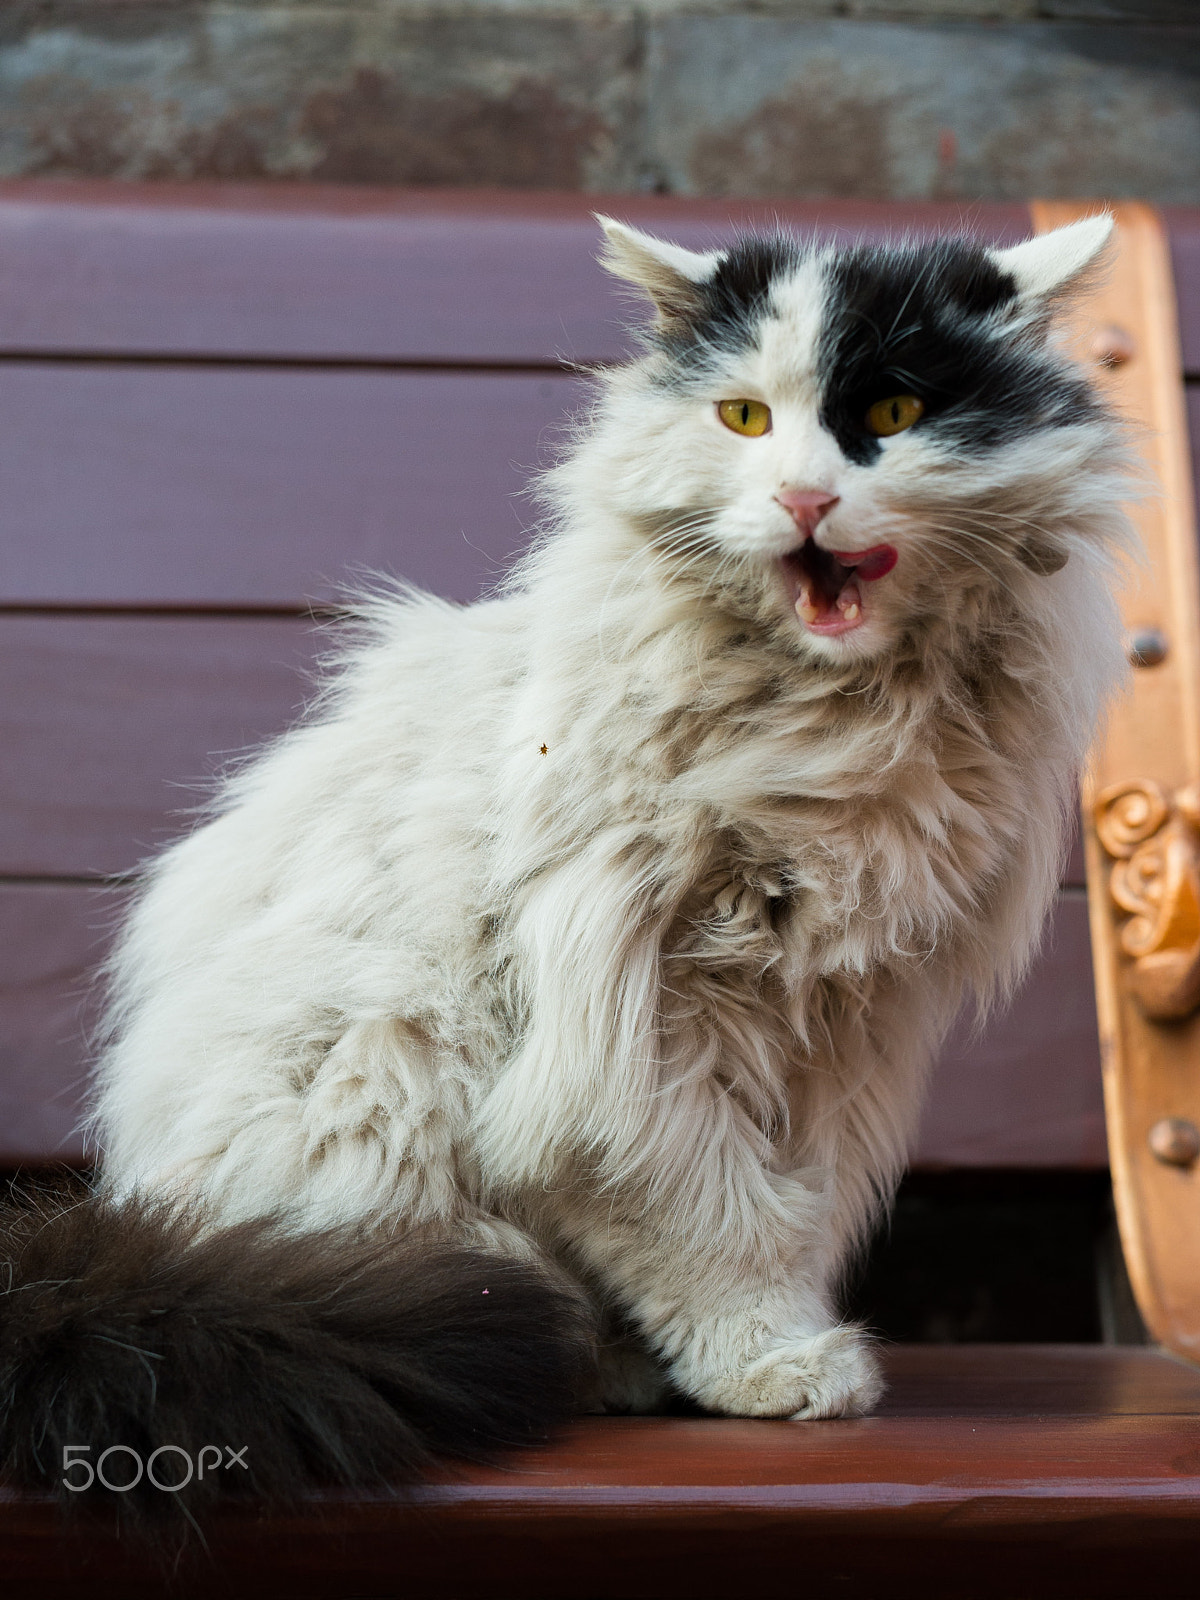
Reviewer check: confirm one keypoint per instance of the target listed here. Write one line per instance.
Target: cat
(544, 1022)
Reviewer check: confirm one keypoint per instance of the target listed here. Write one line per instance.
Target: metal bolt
(1175, 1141)
(1112, 346)
(1146, 647)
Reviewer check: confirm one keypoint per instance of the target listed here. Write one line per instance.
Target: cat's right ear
(669, 274)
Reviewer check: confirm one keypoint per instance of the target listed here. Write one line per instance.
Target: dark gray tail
(246, 1361)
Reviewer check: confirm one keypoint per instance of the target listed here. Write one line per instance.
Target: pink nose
(806, 507)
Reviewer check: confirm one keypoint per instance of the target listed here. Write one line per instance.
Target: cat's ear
(668, 273)
(1051, 264)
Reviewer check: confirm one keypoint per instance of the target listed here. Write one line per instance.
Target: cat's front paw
(831, 1374)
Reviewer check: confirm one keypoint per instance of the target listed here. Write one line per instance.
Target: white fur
(660, 1001)
(667, 272)
(1051, 262)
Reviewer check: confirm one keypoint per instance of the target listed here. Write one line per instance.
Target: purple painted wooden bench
(219, 403)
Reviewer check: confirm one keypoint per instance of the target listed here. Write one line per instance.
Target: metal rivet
(1112, 346)
(1175, 1141)
(1146, 647)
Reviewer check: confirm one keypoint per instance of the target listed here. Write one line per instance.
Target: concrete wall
(889, 98)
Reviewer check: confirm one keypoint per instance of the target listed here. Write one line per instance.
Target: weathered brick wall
(989, 98)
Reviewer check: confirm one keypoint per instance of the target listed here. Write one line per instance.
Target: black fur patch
(332, 1358)
(729, 306)
(916, 319)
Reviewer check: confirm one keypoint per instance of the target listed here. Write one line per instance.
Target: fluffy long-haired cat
(544, 1021)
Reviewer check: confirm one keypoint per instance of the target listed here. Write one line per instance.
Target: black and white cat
(588, 948)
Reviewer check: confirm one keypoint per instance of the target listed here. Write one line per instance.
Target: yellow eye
(895, 414)
(750, 417)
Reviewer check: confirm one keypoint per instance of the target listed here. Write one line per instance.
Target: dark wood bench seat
(989, 1471)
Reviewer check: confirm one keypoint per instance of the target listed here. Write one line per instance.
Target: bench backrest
(217, 404)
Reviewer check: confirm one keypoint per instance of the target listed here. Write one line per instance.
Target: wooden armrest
(1142, 805)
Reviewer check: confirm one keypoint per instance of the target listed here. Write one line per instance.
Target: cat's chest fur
(751, 876)
(776, 827)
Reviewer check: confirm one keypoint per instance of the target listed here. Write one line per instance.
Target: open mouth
(826, 586)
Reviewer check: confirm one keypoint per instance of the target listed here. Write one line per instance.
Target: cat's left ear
(1045, 269)
(1051, 264)
(668, 273)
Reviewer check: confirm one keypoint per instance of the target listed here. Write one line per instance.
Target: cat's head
(852, 442)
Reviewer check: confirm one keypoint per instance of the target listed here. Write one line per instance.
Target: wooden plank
(346, 273)
(1025, 1094)
(1090, 1380)
(1183, 229)
(254, 487)
(1027, 1091)
(52, 938)
(1141, 796)
(215, 487)
(113, 727)
(243, 487)
(1086, 1482)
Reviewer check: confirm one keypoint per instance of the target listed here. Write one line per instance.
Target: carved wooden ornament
(1155, 844)
(1141, 811)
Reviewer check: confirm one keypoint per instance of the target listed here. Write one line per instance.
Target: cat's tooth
(851, 613)
(805, 610)
(849, 603)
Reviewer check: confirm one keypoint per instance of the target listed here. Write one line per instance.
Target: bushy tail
(258, 1362)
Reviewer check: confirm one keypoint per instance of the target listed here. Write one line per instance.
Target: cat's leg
(720, 1245)
(631, 1379)
(726, 1267)
(729, 1268)
(747, 1332)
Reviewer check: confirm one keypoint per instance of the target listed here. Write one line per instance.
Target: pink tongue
(868, 564)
